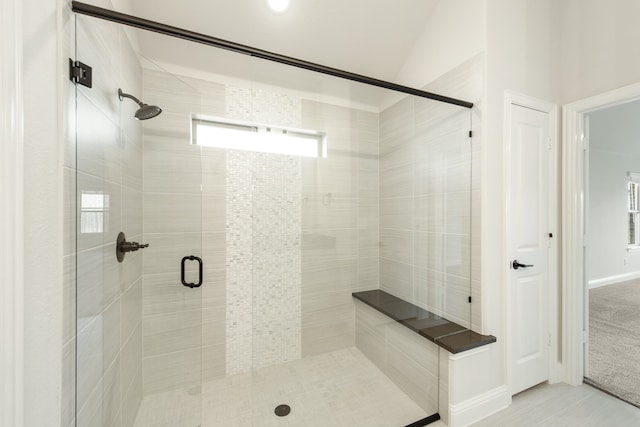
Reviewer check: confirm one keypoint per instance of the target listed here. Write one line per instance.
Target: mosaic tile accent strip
(263, 260)
(239, 317)
(263, 234)
(277, 272)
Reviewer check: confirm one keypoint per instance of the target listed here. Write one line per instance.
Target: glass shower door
(174, 268)
(138, 183)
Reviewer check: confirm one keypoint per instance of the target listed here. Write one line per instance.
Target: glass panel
(442, 200)
(384, 204)
(387, 208)
(138, 328)
(173, 305)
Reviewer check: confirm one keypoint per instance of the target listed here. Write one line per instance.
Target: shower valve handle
(122, 246)
(132, 246)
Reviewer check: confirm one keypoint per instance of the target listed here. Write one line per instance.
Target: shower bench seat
(439, 364)
(449, 335)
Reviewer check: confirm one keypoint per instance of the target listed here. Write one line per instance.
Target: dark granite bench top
(448, 335)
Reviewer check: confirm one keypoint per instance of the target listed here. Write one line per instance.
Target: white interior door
(530, 147)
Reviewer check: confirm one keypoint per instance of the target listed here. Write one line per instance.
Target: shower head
(145, 111)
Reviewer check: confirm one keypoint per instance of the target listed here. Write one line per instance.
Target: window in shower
(235, 135)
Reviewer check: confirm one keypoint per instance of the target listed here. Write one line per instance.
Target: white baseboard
(479, 407)
(612, 280)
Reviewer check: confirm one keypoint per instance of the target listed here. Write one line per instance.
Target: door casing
(575, 232)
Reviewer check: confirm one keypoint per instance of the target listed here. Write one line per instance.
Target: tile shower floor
(338, 389)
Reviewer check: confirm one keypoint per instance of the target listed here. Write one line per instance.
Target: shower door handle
(182, 272)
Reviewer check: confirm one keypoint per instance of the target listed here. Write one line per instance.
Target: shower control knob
(132, 246)
(122, 246)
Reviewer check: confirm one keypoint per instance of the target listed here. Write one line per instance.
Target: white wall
(599, 46)
(43, 212)
(522, 56)
(614, 151)
(11, 214)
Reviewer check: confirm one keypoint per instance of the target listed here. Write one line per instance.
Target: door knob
(516, 265)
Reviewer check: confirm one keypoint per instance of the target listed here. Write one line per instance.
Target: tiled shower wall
(339, 224)
(429, 204)
(103, 196)
(326, 252)
(424, 204)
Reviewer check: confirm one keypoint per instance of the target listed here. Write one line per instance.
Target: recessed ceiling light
(278, 6)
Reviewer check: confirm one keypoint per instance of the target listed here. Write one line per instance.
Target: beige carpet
(614, 340)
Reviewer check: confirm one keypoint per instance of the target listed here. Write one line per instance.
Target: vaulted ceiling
(370, 37)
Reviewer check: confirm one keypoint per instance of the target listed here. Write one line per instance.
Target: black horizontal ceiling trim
(145, 24)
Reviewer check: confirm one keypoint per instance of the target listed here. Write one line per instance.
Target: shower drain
(282, 410)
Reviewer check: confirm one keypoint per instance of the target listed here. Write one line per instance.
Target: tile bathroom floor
(338, 389)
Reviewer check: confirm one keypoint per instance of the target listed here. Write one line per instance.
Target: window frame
(633, 211)
(241, 126)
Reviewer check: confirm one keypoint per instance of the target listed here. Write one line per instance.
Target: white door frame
(11, 217)
(575, 314)
(510, 99)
